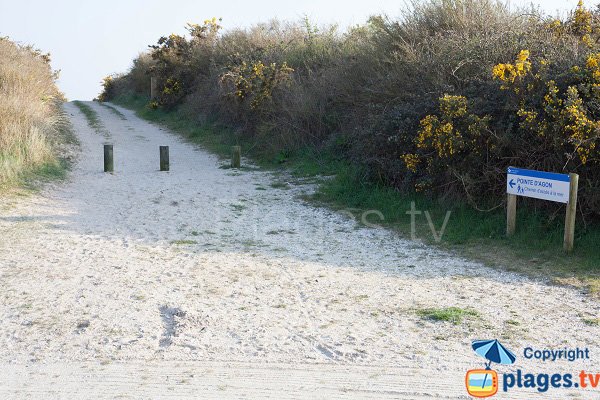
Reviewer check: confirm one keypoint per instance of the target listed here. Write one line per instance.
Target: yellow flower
(581, 129)
(453, 106)
(523, 56)
(554, 25)
(411, 161)
(510, 72)
(582, 24)
(592, 61)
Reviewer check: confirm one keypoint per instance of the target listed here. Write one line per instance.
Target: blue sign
(538, 184)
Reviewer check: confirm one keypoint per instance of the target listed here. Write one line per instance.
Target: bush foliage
(30, 115)
(441, 101)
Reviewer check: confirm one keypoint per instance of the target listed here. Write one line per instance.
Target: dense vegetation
(441, 101)
(31, 120)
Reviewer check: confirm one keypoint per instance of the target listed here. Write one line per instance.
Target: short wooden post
(108, 158)
(164, 158)
(236, 156)
(152, 88)
(571, 213)
(511, 214)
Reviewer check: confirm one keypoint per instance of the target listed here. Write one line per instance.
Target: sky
(89, 40)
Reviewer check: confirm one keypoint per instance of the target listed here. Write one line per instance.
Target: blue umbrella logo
(493, 351)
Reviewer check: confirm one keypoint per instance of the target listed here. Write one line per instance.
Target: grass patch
(281, 231)
(238, 207)
(279, 185)
(50, 171)
(56, 168)
(114, 110)
(253, 243)
(31, 179)
(183, 242)
(592, 321)
(535, 250)
(92, 117)
(455, 315)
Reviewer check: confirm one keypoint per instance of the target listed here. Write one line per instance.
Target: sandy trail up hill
(119, 285)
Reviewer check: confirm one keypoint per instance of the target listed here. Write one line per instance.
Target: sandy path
(119, 285)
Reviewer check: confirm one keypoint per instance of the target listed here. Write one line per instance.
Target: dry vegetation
(31, 120)
(441, 101)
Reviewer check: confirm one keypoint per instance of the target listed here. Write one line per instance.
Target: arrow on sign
(512, 183)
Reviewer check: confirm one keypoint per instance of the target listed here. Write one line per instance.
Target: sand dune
(208, 282)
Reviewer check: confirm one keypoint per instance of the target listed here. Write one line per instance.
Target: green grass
(114, 110)
(279, 185)
(455, 315)
(91, 116)
(32, 180)
(183, 242)
(592, 321)
(238, 207)
(535, 249)
(53, 170)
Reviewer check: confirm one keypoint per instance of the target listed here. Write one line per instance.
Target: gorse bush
(255, 83)
(440, 101)
(30, 114)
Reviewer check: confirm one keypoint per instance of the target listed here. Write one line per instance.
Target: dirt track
(218, 282)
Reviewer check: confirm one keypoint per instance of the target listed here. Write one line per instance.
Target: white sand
(97, 284)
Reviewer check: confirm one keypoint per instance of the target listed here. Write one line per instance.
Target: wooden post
(152, 88)
(511, 214)
(236, 156)
(164, 158)
(571, 213)
(108, 158)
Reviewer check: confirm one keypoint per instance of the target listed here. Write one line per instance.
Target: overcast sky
(91, 39)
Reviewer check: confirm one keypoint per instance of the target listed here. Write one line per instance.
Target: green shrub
(31, 118)
(442, 100)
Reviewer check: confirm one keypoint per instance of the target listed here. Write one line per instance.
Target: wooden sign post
(511, 214)
(561, 188)
(571, 213)
(236, 156)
